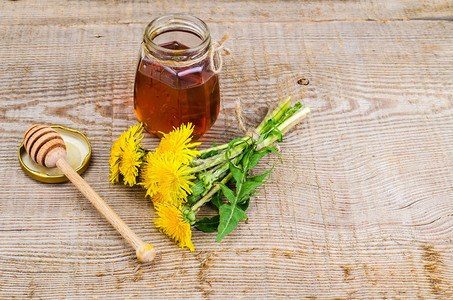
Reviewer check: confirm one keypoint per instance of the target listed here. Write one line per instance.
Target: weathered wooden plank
(360, 207)
(70, 13)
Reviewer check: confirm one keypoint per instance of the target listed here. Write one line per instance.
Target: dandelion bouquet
(180, 179)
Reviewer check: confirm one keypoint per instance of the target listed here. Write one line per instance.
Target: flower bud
(189, 215)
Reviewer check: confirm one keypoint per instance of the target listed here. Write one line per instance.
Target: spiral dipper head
(44, 145)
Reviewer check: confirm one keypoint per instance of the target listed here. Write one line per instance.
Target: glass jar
(174, 82)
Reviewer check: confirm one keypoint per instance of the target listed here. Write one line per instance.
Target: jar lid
(78, 156)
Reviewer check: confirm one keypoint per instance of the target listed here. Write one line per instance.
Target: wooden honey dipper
(46, 147)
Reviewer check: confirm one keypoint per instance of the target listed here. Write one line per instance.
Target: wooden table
(362, 206)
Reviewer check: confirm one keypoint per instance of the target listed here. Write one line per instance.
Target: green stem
(219, 166)
(220, 147)
(221, 172)
(286, 126)
(211, 193)
(220, 158)
(293, 120)
(275, 114)
(217, 173)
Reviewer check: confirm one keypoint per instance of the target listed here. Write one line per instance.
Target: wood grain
(85, 12)
(360, 208)
(145, 252)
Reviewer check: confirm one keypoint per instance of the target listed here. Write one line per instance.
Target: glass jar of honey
(175, 82)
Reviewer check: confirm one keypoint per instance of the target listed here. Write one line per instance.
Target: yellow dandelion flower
(171, 222)
(129, 164)
(164, 175)
(126, 156)
(158, 198)
(177, 144)
(114, 161)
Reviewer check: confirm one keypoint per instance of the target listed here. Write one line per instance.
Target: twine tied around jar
(214, 54)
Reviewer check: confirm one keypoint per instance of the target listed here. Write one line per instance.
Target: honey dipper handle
(145, 252)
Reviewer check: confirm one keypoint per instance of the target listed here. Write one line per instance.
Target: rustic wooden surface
(362, 206)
